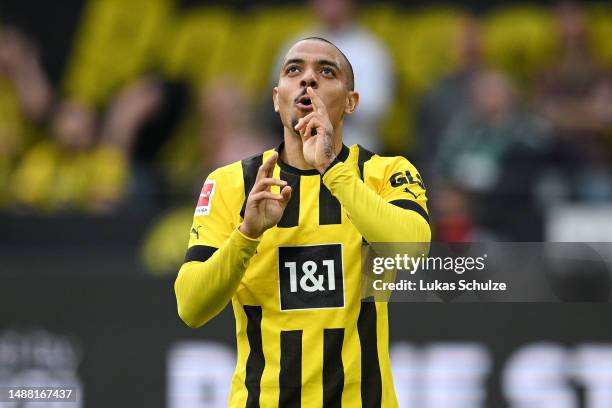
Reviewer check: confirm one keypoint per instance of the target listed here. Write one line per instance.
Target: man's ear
(352, 100)
(275, 98)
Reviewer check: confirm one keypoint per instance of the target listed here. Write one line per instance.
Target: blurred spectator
(135, 103)
(72, 171)
(228, 133)
(25, 99)
(372, 66)
(454, 216)
(221, 130)
(576, 95)
(494, 151)
(449, 95)
(19, 62)
(141, 119)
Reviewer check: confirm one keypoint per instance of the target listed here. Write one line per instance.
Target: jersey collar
(342, 156)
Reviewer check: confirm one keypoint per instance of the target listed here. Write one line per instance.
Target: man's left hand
(317, 134)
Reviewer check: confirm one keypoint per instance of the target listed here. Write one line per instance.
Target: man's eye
(327, 71)
(292, 69)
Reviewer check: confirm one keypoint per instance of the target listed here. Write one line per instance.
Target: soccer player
(280, 235)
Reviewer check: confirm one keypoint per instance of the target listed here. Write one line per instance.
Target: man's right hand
(264, 209)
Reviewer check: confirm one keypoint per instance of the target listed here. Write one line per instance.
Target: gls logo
(400, 178)
(310, 277)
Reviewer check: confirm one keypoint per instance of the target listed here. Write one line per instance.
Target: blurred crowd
(500, 151)
(505, 113)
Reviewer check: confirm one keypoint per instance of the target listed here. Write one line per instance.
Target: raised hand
(317, 134)
(264, 209)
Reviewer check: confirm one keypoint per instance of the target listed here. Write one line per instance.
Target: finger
(266, 183)
(301, 127)
(266, 195)
(303, 121)
(266, 169)
(286, 193)
(317, 102)
(270, 163)
(311, 129)
(260, 173)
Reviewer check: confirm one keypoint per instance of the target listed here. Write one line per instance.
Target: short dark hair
(351, 83)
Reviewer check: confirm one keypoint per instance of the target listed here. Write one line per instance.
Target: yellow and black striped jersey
(305, 337)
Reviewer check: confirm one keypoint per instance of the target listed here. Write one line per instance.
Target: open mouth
(304, 102)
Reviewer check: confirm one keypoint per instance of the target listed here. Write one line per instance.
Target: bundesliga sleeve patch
(205, 199)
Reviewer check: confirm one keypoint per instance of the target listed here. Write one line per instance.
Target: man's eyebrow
(328, 62)
(293, 61)
(319, 62)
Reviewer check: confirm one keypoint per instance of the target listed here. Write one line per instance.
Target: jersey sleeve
(398, 182)
(218, 252)
(372, 207)
(217, 213)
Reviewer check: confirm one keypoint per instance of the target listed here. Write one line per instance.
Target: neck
(293, 153)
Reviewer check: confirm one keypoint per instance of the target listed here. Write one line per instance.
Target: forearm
(376, 219)
(203, 289)
(34, 91)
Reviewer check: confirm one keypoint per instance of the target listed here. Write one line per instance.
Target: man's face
(319, 65)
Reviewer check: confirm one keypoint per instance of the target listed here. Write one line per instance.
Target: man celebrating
(280, 235)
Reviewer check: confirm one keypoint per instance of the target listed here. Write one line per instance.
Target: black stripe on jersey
(364, 156)
(330, 211)
(371, 380)
(411, 205)
(290, 376)
(291, 215)
(256, 361)
(250, 167)
(344, 153)
(199, 253)
(333, 369)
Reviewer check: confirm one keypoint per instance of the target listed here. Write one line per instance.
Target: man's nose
(308, 79)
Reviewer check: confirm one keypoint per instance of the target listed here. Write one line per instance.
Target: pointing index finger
(267, 167)
(317, 102)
